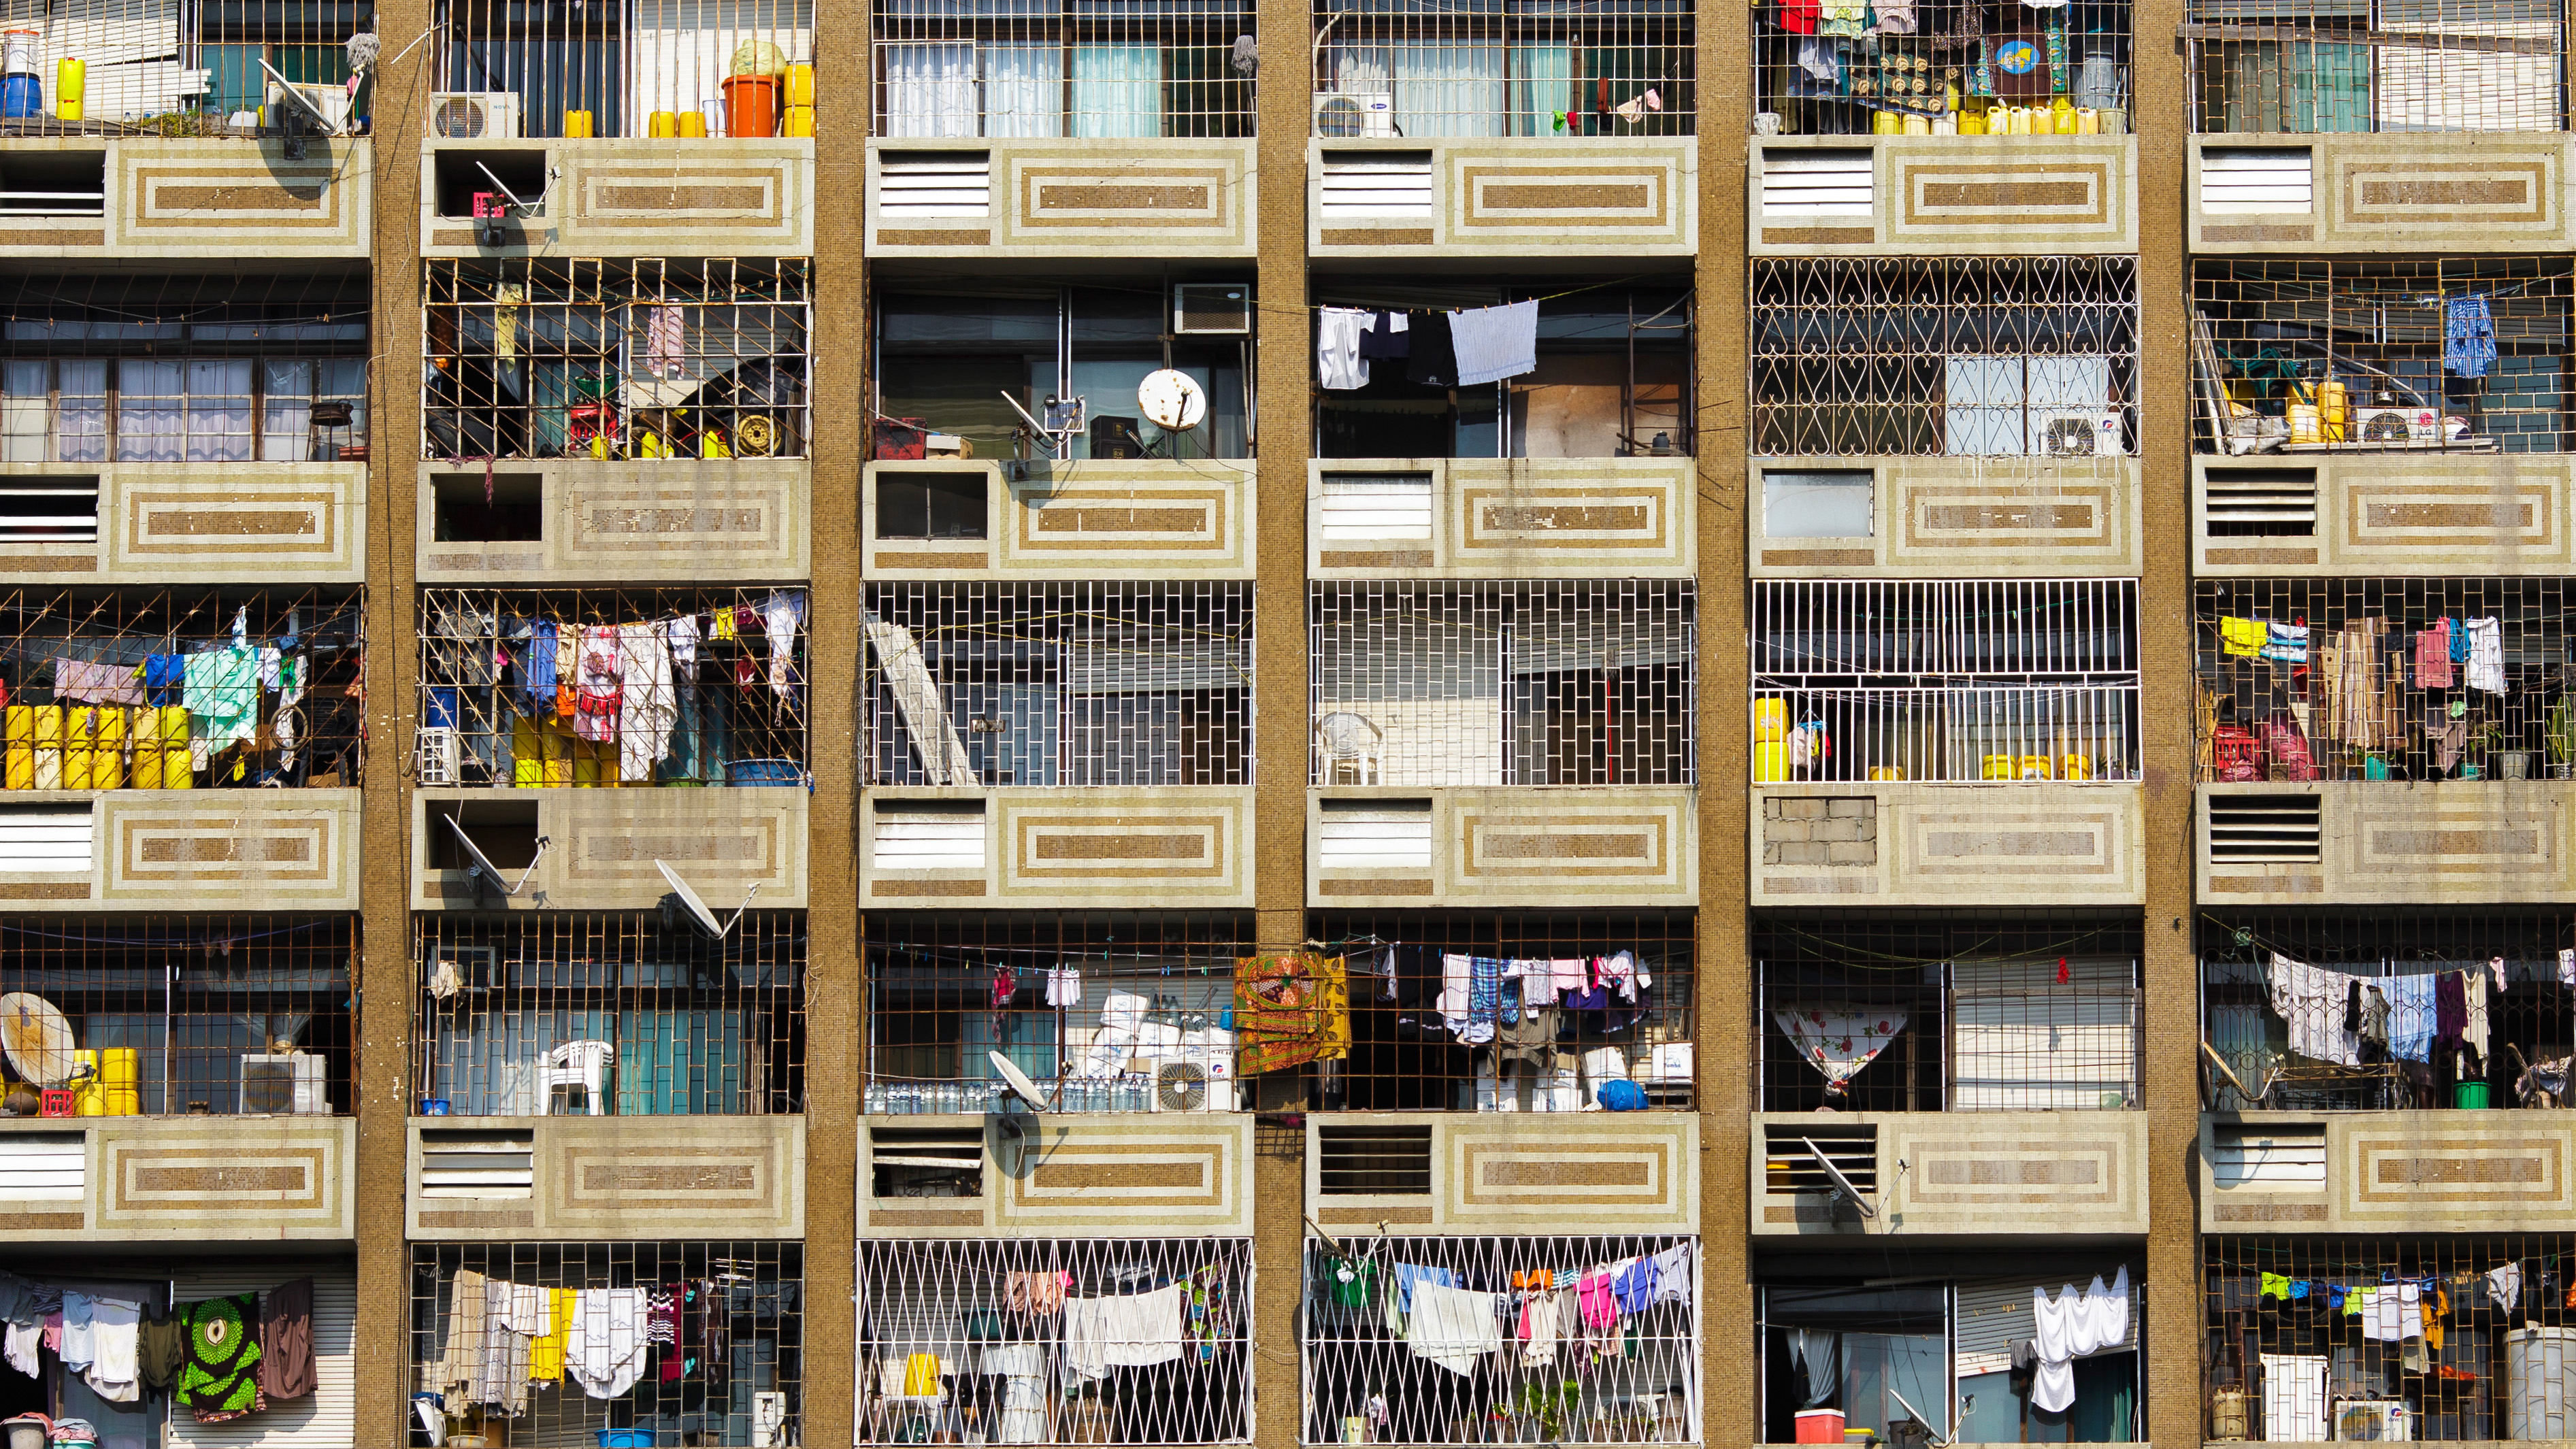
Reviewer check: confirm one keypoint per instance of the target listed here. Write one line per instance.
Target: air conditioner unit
(1211, 309)
(2394, 424)
(1192, 1087)
(2360, 1420)
(277, 1083)
(474, 115)
(2075, 435)
(1340, 117)
(439, 757)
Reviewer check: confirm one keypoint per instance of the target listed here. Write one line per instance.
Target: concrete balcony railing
(533, 1178)
(1058, 848)
(189, 200)
(1525, 199)
(2453, 514)
(1071, 1175)
(1559, 846)
(166, 1179)
(2386, 1172)
(2352, 842)
(601, 846)
(1953, 517)
(1502, 518)
(1079, 520)
(635, 523)
(1955, 1174)
(1889, 843)
(1631, 1172)
(196, 850)
(1094, 197)
(625, 197)
(166, 523)
(1942, 195)
(2441, 194)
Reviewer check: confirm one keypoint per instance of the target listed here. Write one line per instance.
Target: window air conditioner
(440, 759)
(474, 115)
(2358, 1420)
(2055, 434)
(1341, 117)
(283, 1082)
(1211, 309)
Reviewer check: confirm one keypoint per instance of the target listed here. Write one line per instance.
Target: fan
(37, 1038)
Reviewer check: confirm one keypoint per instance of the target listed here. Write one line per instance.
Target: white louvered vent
(44, 838)
(323, 1419)
(477, 1164)
(2269, 179)
(1358, 506)
(1374, 835)
(2259, 828)
(2272, 1154)
(2260, 503)
(42, 1167)
(49, 510)
(917, 186)
(929, 835)
(1787, 1165)
(1803, 185)
(926, 1161)
(1375, 186)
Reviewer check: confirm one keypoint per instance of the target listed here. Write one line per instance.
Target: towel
(1339, 365)
(2486, 655)
(2244, 638)
(222, 695)
(1454, 1327)
(605, 1351)
(114, 1328)
(1493, 343)
(1133, 1331)
(2311, 1000)
(98, 683)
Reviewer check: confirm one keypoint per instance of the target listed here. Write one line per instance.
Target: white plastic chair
(582, 1064)
(1350, 739)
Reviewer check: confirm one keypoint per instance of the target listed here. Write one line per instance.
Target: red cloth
(1798, 17)
(2433, 656)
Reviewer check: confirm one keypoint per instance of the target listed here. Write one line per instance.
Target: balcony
(2408, 513)
(1867, 517)
(1456, 1176)
(1064, 1176)
(600, 850)
(1877, 195)
(541, 1179)
(711, 196)
(583, 520)
(2302, 195)
(1096, 518)
(1964, 1176)
(207, 1180)
(1462, 518)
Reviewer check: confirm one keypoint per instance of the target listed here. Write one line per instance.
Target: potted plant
(2503, 763)
(1546, 1413)
(2559, 734)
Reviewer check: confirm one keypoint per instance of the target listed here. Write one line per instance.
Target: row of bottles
(1981, 116)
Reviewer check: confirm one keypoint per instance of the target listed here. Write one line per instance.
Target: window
(1166, 68)
(2317, 66)
(932, 506)
(1818, 505)
(1621, 68)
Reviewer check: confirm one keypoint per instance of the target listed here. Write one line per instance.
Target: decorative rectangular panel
(677, 521)
(1097, 196)
(229, 522)
(2394, 842)
(1555, 845)
(1959, 517)
(2433, 1172)
(2501, 514)
(201, 850)
(1079, 1175)
(604, 843)
(2441, 193)
(1495, 1173)
(2064, 195)
(1527, 197)
(1500, 518)
(641, 1177)
(1081, 519)
(203, 1179)
(2005, 843)
(1166, 848)
(194, 198)
(1970, 1174)
(641, 197)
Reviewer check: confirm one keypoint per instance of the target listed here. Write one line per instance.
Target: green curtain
(679, 1063)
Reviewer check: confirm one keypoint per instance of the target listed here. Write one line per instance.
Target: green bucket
(2469, 1094)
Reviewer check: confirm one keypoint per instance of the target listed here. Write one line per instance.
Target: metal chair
(1350, 739)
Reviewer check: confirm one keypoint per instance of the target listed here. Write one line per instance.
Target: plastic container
(26, 1436)
(797, 121)
(71, 86)
(443, 709)
(2075, 767)
(1887, 123)
(22, 97)
(1999, 767)
(692, 124)
(764, 772)
(800, 86)
(80, 726)
(1820, 1426)
(2306, 426)
(662, 125)
(1770, 760)
(2540, 1383)
(2469, 1095)
(751, 105)
(1887, 772)
(2033, 767)
(577, 126)
(161, 749)
(1770, 718)
(433, 1106)
(625, 1439)
(49, 746)
(107, 750)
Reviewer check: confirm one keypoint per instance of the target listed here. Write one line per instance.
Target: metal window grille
(1931, 1012)
(648, 360)
(1145, 683)
(177, 71)
(1552, 1048)
(630, 68)
(184, 370)
(1945, 680)
(1943, 65)
(1515, 1355)
(607, 687)
(1032, 69)
(1577, 682)
(1617, 68)
(739, 1338)
(2277, 1008)
(2018, 357)
(175, 1014)
(1104, 1011)
(2359, 357)
(2406, 65)
(635, 1014)
(101, 699)
(2477, 1364)
(1022, 1341)
(2357, 679)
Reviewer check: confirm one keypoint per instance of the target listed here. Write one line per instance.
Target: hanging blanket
(1290, 1008)
(220, 1378)
(1839, 1043)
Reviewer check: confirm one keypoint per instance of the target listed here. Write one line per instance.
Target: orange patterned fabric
(1290, 1008)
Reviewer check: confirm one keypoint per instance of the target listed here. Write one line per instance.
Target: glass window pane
(148, 404)
(1817, 505)
(286, 411)
(80, 412)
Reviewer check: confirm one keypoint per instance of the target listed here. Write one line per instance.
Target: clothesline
(222, 1358)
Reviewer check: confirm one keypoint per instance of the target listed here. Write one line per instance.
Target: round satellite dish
(1018, 1081)
(1173, 401)
(37, 1038)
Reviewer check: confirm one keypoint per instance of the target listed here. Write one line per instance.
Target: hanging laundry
(1035, 1295)
(666, 331)
(2393, 1313)
(1493, 343)
(605, 1352)
(1339, 367)
(2468, 336)
(2411, 1018)
(2243, 638)
(507, 298)
(98, 683)
(1434, 359)
(2504, 1286)
(2486, 655)
(220, 1378)
(1133, 1331)
(782, 615)
(647, 705)
(2052, 1385)
(595, 685)
(1538, 1329)
(2310, 1000)
(2433, 656)
(1389, 336)
(286, 1341)
(1453, 1327)
(222, 696)
(2286, 643)
(1290, 1008)
(112, 1374)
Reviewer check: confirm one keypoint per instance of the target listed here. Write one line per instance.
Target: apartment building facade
(1851, 722)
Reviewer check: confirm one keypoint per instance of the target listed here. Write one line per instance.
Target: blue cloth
(1633, 1287)
(2411, 1017)
(1485, 991)
(2459, 641)
(1408, 1274)
(2335, 1293)
(540, 657)
(164, 675)
(1623, 1096)
(1494, 343)
(2468, 336)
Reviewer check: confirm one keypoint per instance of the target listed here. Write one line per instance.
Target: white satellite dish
(482, 867)
(1172, 400)
(698, 908)
(1018, 1081)
(1842, 1184)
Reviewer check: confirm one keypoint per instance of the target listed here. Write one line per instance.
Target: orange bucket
(751, 105)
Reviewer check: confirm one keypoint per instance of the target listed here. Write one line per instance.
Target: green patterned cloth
(220, 1377)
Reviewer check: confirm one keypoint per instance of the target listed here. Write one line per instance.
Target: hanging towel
(2243, 638)
(1673, 1274)
(2433, 656)
(1493, 343)
(76, 1348)
(98, 683)
(1453, 1327)
(222, 696)
(1434, 360)
(546, 1351)
(666, 332)
(114, 1327)
(647, 705)
(2107, 1311)
(2286, 643)
(286, 1341)
(1410, 1276)
(2468, 336)
(595, 703)
(1134, 1331)
(1339, 367)
(2393, 1313)
(2052, 1385)
(2310, 999)
(2486, 655)
(605, 1351)
(2504, 1286)
(2411, 1020)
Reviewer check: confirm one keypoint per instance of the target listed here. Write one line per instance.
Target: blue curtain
(679, 1063)
(1117, 91)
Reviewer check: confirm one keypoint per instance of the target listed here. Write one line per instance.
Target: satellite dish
(483, 868)
(1018, 1081)
(1842, 1184)
(1172, 400)
(698, 908)
(37, 1038)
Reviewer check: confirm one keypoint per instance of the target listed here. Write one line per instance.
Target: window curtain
(219, 410)
(1023, 90)
(679, 1063)
(1542, 87)
(80, 412)
(1117, 91)
(1447, 89)
(930, 90)
(286, 412)
(151, 400)
(26, 394)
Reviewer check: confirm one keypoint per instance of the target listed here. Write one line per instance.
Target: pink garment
(2433, 656)
(54, 1330)
(98, 683)
(596, 686)
(1574, 973)
(1592, 1295)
